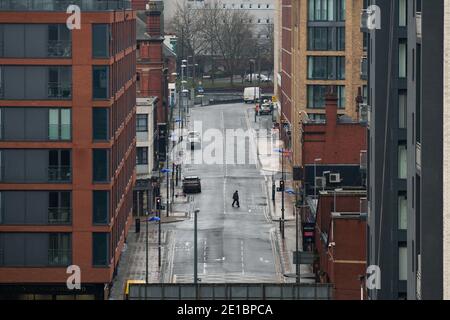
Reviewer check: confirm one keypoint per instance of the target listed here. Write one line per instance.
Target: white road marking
(204, 256)
(242, 256)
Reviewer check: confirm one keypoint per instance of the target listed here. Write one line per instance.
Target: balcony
(59, 173)
(59, 215)
(419, 25)
(57, 90)
(59, 48)
(61, 5)
(59, 257)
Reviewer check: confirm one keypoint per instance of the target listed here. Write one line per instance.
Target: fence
(230, 291)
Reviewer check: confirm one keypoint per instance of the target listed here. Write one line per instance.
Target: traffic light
(281, 185)
(158, 203)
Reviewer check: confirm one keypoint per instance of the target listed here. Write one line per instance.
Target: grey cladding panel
(36, 165)
(36, 83)
(36, 249)
(36, 207)
(14, 249)
(14, 207)
(36, 36)
(14, 165)
(13, 123)
(36, 127)
(14, 44)
(14, 79)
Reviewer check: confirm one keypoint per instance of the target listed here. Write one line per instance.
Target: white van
(251, 94)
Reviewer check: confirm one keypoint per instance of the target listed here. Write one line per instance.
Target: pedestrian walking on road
(236, 199)
(256, 110)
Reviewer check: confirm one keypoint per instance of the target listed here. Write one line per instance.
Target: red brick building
(67, 104)
(151, 70)
(340, 240)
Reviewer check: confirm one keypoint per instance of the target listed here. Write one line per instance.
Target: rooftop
(62, 5)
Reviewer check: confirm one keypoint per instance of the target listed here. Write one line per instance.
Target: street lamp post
(196, 211)
(315, 174)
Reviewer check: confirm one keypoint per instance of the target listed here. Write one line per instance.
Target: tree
(188, 26)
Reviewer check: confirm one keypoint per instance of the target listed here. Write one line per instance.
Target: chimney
(154, 12)
(331, 107)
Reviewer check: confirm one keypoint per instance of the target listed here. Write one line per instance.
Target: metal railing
(61, 5)
(59, 173)
(59, 90)
(59, 215)
(59, 48)
(364, 68)
(59, 257)
(230, 291)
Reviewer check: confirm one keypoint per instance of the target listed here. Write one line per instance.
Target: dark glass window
(100, 82)
(59, 207)
(100, 207)
(142, 155)
(316, 96)
(100, 123)
(100, 249)
(100, 165)
(60, 249)
(326, 10)
(100, 40)
(59, 166)
(326, 68)
(142, 123)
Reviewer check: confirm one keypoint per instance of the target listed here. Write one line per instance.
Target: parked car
(192, 184)
(251, 94)
(193, 139)
(257, 77)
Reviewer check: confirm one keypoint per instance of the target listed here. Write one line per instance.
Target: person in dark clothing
(235, 199)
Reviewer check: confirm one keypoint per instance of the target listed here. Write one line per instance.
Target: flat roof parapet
(62, 5)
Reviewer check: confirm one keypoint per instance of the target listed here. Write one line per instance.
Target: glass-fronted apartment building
(328, 49)
(67, 145)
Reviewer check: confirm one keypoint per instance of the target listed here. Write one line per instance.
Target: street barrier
(230, 291)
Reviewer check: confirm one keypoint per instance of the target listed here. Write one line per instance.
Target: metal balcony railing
(59, 215)
(59, 257)
(59, 173)
(59, 48)
(419, 24)
(59, 90)
(61, 5)
(364, 68)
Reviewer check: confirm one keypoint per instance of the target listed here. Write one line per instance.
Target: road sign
(303, 257)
